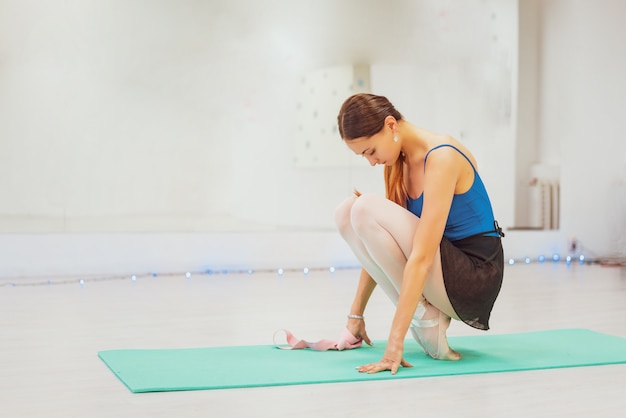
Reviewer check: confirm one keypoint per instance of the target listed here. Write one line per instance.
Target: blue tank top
(470, 213)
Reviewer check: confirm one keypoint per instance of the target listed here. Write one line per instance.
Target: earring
(395, 138)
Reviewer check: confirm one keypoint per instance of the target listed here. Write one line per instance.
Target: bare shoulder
(450, 154)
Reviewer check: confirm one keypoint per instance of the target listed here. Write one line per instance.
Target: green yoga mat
(266, 365)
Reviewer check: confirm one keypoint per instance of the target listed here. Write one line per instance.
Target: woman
(432, 245)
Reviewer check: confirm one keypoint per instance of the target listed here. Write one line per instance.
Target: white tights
(380, 233)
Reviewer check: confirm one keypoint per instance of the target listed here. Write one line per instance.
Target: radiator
(544, 200)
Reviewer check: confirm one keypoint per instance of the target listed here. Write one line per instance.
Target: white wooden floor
(51, 334)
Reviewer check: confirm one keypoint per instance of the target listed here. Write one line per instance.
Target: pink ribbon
(346, 341)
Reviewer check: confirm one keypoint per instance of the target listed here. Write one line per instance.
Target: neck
(415, 142)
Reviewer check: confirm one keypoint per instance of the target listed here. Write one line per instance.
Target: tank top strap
(451, 146)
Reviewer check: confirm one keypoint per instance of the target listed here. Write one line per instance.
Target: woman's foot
(429, 328)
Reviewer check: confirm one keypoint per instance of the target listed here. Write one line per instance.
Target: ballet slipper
(431, 333)
(346, 341)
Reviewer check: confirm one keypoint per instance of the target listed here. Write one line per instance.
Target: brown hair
(363, 115)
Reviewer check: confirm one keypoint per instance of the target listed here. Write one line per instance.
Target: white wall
(161, 116)
(175, 117)
(582, 109)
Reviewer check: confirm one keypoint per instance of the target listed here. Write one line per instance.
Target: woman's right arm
(363, 292)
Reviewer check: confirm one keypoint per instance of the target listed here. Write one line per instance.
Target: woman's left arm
(440, 181)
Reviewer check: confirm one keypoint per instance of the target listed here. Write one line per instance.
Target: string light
(556, 258)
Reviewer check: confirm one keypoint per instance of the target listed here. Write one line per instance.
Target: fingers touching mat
(252, 366)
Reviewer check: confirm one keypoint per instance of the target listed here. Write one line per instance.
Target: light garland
(280, 271)
(580, 259)
(188, 275)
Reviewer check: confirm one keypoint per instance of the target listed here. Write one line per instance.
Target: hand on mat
(357, 328)
(392, 360)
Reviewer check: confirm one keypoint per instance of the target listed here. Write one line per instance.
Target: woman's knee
(357, 213)
(342, 214)
(363, 211)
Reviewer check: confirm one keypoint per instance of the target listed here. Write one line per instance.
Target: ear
(391, 123)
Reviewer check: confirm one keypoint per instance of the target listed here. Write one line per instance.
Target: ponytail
(394, 182)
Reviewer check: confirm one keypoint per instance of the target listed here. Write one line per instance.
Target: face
(377, 149)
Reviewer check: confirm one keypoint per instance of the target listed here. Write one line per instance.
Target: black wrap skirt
(472, 273)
